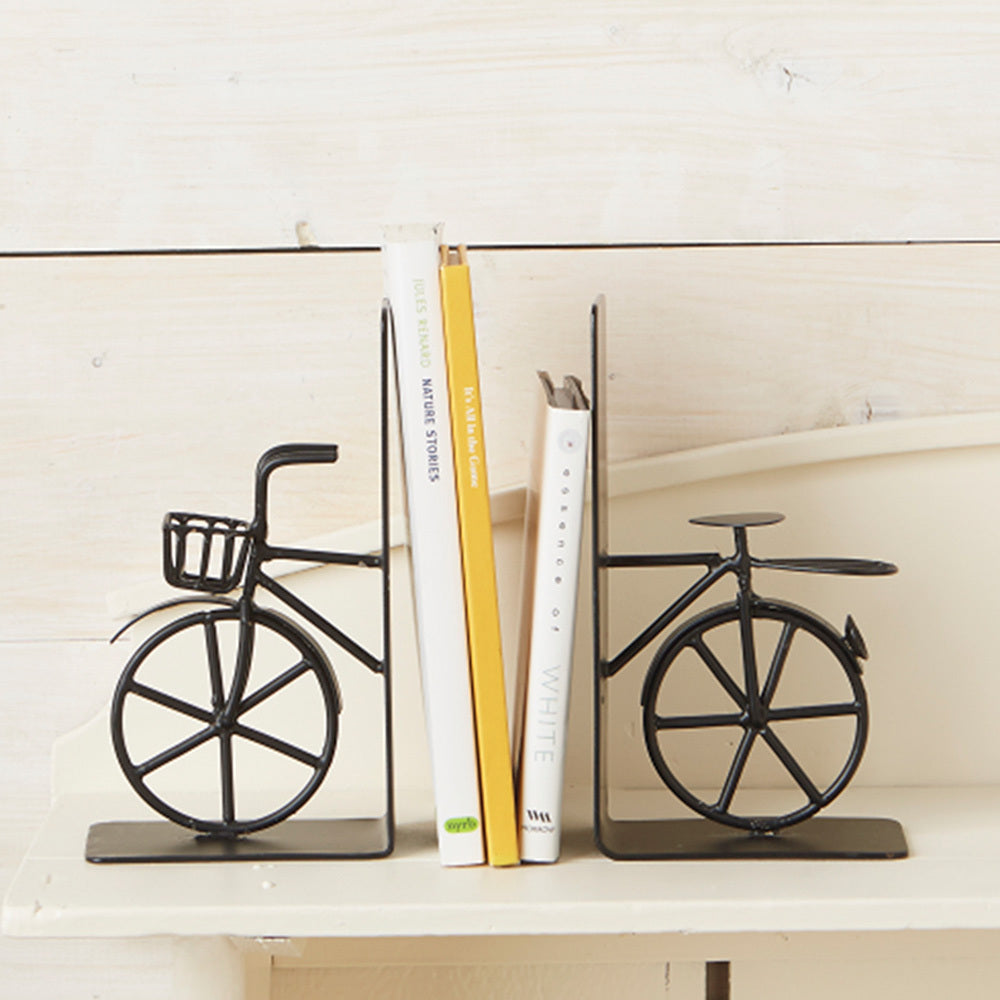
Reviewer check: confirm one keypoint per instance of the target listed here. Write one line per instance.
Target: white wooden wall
(792, 208)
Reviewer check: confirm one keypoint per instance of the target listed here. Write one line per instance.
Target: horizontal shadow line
(236, 251)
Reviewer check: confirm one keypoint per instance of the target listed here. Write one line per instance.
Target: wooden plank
(135, 385)
(678, 949)
(154, 384)
(134, 125)
(949, 883)
(917, 978)
(453, 982)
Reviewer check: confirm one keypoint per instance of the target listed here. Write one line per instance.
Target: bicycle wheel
(202, 766)
(803, 770)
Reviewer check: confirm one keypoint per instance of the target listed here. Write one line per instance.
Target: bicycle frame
(716, 568)
(739, 563)
(261, 553)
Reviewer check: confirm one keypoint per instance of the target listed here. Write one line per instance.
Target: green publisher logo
(461, 824)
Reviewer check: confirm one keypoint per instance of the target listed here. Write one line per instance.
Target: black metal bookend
(227, 636)
(746, 708)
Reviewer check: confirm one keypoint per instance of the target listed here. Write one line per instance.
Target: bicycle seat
(755, 520)
(844, 567)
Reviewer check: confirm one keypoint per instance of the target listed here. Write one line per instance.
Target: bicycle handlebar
(274, 458)
(294, 454)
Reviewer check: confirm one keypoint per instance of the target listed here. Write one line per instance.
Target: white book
(553, 531)
(410, 257)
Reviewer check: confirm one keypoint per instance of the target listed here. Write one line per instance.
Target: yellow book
(478, 563)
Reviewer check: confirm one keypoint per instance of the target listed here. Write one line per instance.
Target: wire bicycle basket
(204, 552)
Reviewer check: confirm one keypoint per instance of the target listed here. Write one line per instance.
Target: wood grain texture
(136, 385)
(449, 982)
(137, 125)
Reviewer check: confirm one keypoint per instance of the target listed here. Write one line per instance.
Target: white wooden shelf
(951, 881)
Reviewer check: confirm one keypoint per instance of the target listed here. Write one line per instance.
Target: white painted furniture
(879, 488)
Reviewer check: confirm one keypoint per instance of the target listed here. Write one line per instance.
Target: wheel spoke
(792, 766)
(697, 721)
(719, 671)
(748, 649)
(278, 745)
(273, 686)
(226, 774)
(814, 711)
(172, 753)
(777, 663)
(169, 701)
(736, 770)
(214, 664)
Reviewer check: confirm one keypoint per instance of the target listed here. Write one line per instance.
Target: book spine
(410, 264)
(559, 524)
(478, 563)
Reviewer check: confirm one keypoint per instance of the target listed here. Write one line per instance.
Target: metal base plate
(689, 839)
(293, 840)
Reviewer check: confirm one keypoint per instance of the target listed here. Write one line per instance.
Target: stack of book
(478, 816)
